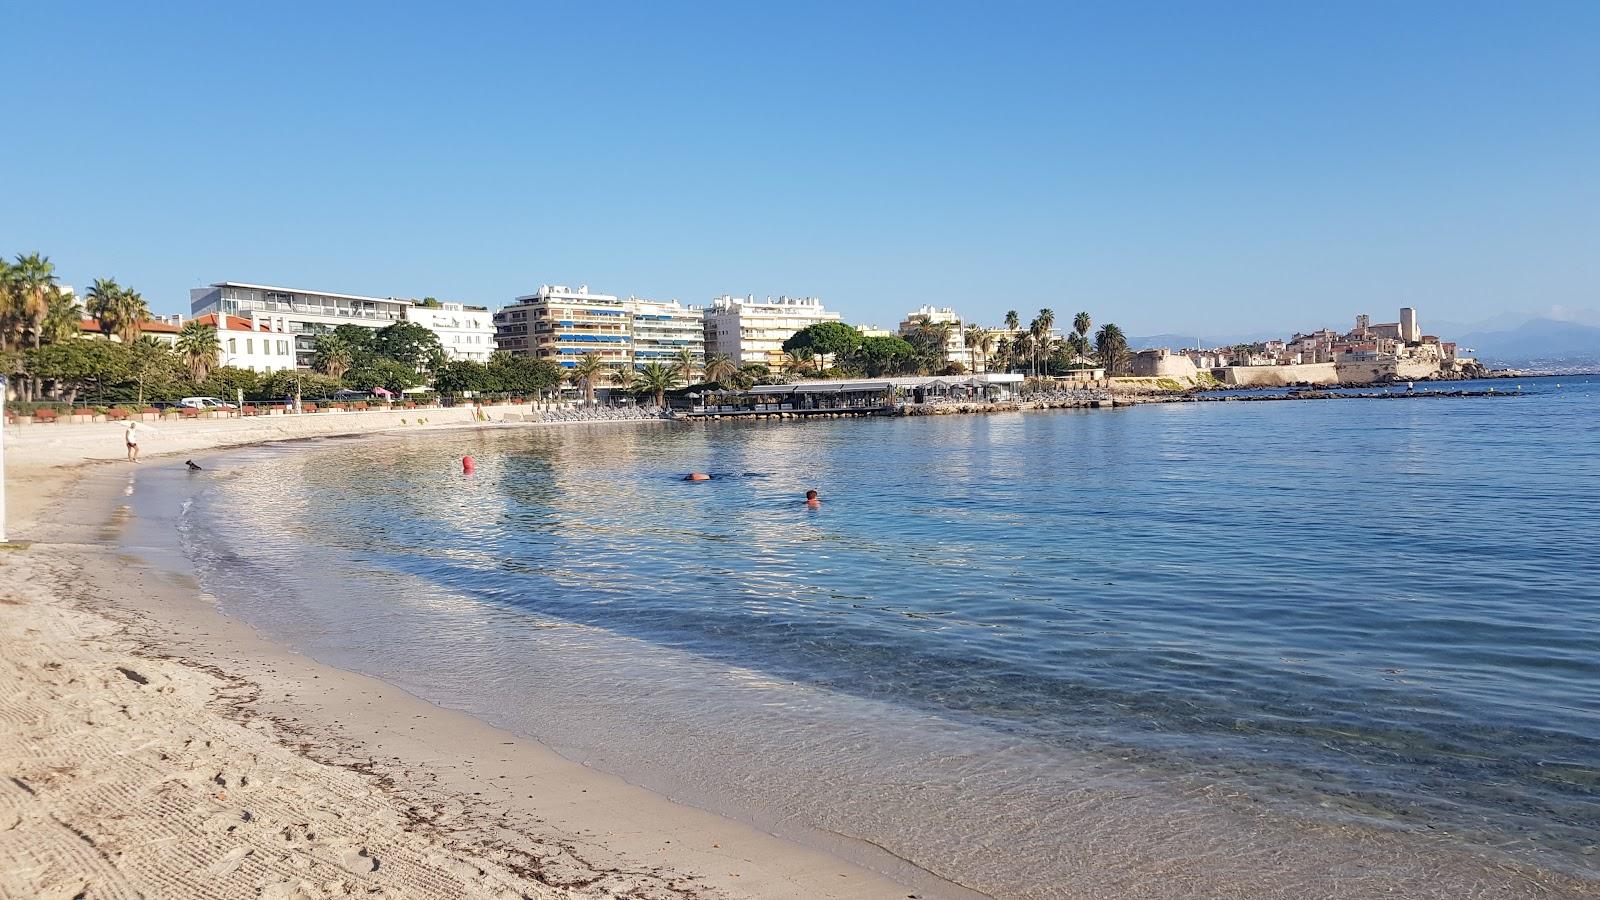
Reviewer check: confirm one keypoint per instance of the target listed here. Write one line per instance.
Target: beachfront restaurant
(860, 396)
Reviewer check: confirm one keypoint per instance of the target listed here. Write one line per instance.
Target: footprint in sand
(229, 861)
(358, 862)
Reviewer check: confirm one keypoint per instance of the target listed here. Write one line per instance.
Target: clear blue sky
(1183, 166)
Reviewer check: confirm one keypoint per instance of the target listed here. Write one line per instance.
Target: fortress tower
(1409, 332)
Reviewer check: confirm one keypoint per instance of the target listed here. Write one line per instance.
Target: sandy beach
(153, 747)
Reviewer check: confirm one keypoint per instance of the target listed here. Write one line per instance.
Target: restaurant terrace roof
(848, 385)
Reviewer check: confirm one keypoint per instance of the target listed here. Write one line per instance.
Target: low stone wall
(1278, 376)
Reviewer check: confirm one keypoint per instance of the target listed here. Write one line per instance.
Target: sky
(1174, 167)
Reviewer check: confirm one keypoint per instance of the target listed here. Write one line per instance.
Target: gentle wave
(1355, 611)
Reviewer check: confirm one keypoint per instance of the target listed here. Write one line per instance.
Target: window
(283, 348)
(249, 345)
(233, 345)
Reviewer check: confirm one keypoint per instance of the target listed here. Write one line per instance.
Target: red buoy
(467, 465)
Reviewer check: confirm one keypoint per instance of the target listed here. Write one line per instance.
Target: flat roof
(89, 323)
(273, 287)
(835, 385)
(820, 387)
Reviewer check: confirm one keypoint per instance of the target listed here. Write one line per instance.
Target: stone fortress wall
(1328, 373)
(1277, 376)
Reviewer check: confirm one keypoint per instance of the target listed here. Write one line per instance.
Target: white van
(204, 403)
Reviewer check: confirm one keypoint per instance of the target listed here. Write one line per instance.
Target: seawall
(1278, 376)
(1327, 373)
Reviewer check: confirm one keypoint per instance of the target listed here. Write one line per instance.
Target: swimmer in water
(812, 501)
(697, 476)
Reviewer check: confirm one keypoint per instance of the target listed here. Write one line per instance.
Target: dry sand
(150, 746)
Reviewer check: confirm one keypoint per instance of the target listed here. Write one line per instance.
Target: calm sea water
(1001, 638)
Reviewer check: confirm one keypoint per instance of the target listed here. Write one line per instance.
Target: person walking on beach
(131, 437)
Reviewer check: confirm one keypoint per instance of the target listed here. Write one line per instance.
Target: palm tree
(8, 304)
(120, 310)
(1012, 322)
(971, 337)
(749, 374)
(1046, 321)
(33, 279)
(62, 321)
(132, 312)
(586, 372)
(333, 355)
(1003, 351)
(1047, 348)
(980, 341)
(942, 331)
(796, 362)
(1077, 345)
(1081, 323)
(103, 296)
(1035, 336)
(1111, 345)
(720, 367)
(198, 345)
(625, 379)
(684, 362)
(657, 379)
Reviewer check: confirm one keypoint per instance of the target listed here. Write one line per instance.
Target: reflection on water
(1357, 612)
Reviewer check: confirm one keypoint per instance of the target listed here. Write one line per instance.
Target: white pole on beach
(4, 386)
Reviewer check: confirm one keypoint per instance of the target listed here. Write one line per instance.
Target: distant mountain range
(1147, 341)
(1535, 344)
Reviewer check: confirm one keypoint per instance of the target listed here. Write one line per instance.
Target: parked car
(205, 403)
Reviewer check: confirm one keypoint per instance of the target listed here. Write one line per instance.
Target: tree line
(40, 350)
(924, 348)
(43, 352)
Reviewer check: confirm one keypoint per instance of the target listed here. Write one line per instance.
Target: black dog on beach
(191, 465)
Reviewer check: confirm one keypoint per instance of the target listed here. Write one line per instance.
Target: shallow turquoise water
(1363, 611)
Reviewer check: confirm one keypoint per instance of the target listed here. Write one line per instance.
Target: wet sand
(153, 747)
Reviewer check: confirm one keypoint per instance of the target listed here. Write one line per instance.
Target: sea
(1289, 648)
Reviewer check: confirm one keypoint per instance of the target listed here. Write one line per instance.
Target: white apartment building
(564, 325)
(661, 329)
(263, 345)
(955, 343)
(301, 314)
(243, 312)
(753, 331)
(465, 332)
